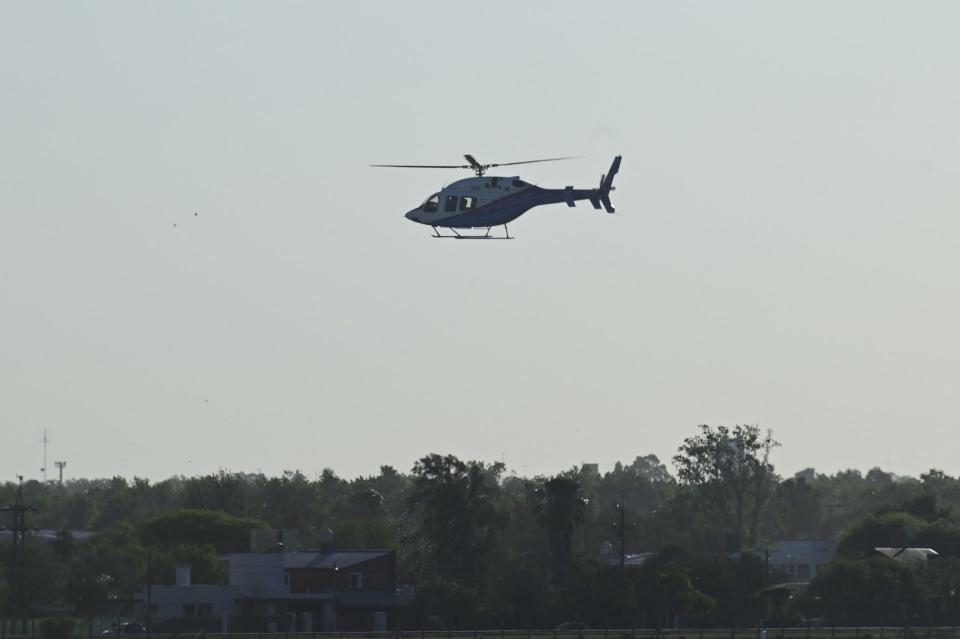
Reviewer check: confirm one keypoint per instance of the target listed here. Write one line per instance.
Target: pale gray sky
(786, 251)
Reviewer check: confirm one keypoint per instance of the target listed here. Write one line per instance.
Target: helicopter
(486, 201)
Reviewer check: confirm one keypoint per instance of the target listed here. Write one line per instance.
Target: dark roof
(788, 588)
(50, 534)
(330, 560)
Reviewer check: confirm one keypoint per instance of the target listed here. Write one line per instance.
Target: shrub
(56, 628)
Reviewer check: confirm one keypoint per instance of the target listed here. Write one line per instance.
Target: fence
(85, 630)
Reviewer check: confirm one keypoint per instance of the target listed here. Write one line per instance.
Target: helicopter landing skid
(458, 236)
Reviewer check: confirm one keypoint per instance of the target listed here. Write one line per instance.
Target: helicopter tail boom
(598, 197)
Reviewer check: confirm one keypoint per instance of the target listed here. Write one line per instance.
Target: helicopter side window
(451, 204)
(495, 182)
(430, 206)
(467, 203)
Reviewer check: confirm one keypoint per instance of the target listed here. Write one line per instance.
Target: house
(325, 590)
(796, 560)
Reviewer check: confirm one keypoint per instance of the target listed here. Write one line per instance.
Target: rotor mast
(478, 168)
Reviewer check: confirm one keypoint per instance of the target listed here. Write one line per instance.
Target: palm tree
(561, 508)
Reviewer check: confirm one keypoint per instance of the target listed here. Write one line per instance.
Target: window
(520, 184)
(495, 182)
(430, 206)
(467, 203)
(451, 204)
(190, 610)
(356, 580)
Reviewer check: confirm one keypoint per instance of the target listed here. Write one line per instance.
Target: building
(325, 590)
(916, 557)
(796, 560)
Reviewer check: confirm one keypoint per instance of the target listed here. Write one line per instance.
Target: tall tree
(456, 502)
(731, 466)
(561, 508)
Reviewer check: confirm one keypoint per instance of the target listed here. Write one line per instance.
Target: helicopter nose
(412, 216)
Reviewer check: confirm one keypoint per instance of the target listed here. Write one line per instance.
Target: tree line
(486, 548)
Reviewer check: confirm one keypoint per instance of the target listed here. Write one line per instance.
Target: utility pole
(19, 530)
(766, 566)
(149, 591)
(621, 528)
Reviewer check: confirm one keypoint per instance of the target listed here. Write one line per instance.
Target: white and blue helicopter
(485, 202)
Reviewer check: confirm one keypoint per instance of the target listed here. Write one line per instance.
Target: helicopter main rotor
(475, 166)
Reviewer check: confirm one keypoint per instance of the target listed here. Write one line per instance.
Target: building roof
(908, 555)
(49, 534)
(796, 545)
(330, 560)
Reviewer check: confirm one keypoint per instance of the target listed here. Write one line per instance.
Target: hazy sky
(786, 250)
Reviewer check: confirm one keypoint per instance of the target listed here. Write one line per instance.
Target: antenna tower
(43, 469)
(60, 466)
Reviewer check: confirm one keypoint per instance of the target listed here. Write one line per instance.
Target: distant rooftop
(332, 560)
(47, 535)
(908, 555)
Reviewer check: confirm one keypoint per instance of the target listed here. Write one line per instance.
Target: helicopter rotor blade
(475, 166)
(425, 166)
(572, 157)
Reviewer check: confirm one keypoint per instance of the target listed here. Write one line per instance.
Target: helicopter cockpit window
(430, 206)
(451, 204)
(467, 203)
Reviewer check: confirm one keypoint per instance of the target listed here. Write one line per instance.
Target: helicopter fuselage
(483, 202)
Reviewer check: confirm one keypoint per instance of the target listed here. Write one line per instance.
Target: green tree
(520, 595)
(888, 530)
(732, 469)
(108, 567)
(601, 595)
(561, 508)
(199, 527)
(799, 506)
(876, 590)
(206, 567)
(219, 491)
(456, 503)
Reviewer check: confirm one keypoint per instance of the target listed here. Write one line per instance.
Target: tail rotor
(606, 185)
